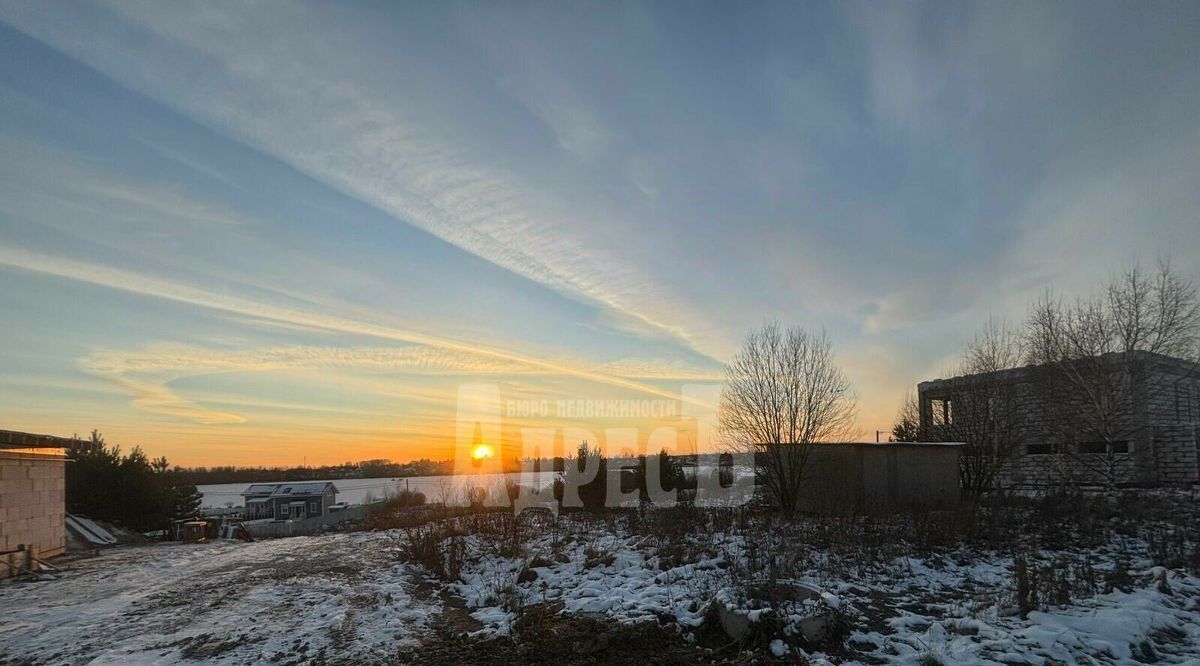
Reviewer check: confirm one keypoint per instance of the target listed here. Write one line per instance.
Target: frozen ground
(1112, 594)
(955, 607)
(288, 600)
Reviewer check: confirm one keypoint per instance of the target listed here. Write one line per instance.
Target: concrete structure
(853, 477)
(32, 499)
(1155, 418)
(289, 501)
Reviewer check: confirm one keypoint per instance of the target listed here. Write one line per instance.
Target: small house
(289, 501)
(258, 501)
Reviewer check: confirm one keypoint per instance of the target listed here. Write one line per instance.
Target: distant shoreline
(220, 475)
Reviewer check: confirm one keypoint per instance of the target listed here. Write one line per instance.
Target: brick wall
(32, 503)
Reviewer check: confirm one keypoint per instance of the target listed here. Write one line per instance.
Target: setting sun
(590, 348)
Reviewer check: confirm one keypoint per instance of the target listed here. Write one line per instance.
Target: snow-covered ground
(362, 597)
(340, 597)
(956, 609)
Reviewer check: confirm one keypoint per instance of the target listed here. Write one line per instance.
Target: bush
(593, 493)
(671, 476)
(406, 498)
(435, 547)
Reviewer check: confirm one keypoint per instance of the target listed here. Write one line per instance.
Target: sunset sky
(275, 232)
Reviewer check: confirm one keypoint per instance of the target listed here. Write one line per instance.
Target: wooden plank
(16, 566)
(46, 564)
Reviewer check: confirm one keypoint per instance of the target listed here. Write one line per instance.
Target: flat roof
(16, 445)
(13, 439)
(892, 444)
(1023, 373)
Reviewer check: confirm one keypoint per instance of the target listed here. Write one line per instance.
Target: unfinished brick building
(32, 499)
(1133, 427)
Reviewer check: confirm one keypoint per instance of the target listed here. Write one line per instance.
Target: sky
(286, 233)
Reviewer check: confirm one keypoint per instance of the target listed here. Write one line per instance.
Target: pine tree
(185, 501)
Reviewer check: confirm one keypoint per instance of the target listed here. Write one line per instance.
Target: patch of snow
(220, 602)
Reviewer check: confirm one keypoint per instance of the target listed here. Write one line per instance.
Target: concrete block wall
(1173, 411)
(1178, 453)
(1044, 469)
(32, 504)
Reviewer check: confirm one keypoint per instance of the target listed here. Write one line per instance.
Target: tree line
(367, 469)
(587, 474)
(132, 490)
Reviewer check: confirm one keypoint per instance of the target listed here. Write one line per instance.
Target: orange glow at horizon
(430, 436)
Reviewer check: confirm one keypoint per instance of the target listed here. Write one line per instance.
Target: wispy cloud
(159, 399)
(332, 119)
(192, 360)
(649, 368)
(893, 173)
(161, 288)
(33, 175)
(146, 374)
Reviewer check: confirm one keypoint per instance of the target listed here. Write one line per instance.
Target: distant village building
(257, 499)
(1137, 422)
(32, 499)
(289, 501)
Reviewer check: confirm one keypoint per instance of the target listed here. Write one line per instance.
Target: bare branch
(783, 392)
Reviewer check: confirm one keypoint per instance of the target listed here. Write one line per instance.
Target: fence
(270, 529)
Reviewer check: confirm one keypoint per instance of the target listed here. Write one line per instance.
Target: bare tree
(997, 346)
(1096, 355)
(907, 427)
(783, 392)
(987, 418)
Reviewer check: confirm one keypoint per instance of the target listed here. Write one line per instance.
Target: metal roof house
(289, 501)
(257, 499)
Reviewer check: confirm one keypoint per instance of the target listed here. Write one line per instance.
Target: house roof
(304, 488)
(873, 445)
(289, 489)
